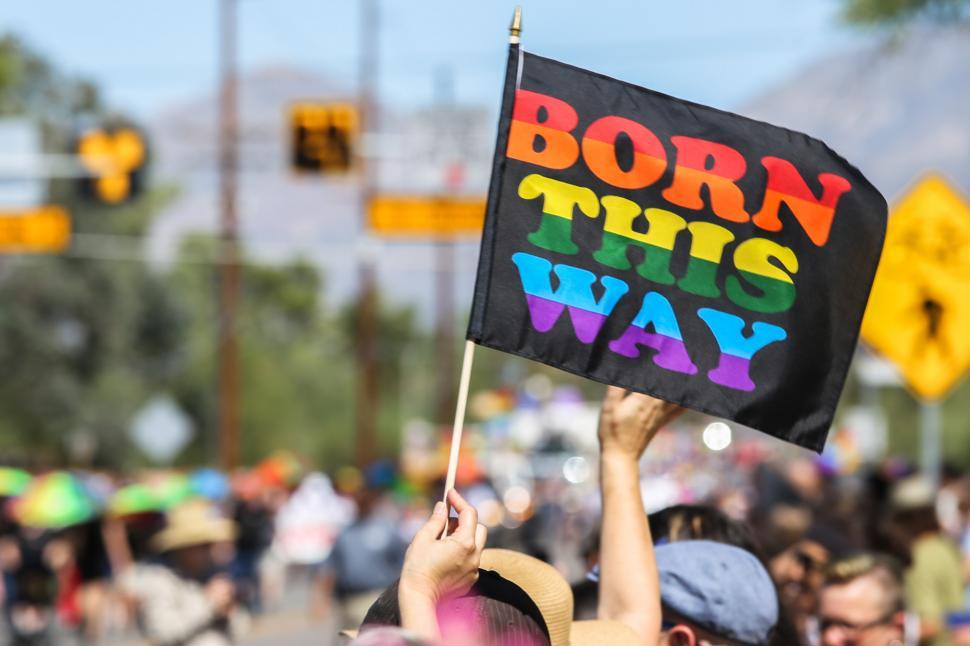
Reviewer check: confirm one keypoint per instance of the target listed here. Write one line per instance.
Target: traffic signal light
(113, 158)
(323, 136)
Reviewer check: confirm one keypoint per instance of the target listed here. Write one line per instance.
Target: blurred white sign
(161, 429)
(20, 157)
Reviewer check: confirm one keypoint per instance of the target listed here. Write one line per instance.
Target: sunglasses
(807, 561)
(826, 623)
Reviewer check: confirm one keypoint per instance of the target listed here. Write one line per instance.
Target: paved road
(292, 629)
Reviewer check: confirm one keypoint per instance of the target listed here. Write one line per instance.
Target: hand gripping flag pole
(515, 32)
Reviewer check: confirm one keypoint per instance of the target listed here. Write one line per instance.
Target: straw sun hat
(513, 591)
(194, 523)
(553, 597)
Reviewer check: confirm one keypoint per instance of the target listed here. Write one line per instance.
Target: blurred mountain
(283, 214)
(897, 109)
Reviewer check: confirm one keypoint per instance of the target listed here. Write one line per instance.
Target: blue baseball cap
(720, 588)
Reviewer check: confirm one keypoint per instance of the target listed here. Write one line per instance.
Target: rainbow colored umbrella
(134, 499)
(54, 501)
(170, 489)
(13, 482)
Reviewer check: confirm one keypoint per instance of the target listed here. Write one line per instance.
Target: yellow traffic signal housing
(113, 158)
(323, 136)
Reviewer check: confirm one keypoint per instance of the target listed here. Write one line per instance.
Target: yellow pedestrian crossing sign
(919, 309)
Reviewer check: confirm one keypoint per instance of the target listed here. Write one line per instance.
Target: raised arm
(116, 545)
(629, 585)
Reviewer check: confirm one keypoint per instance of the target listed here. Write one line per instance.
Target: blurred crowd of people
(781, 550)
(94, 557)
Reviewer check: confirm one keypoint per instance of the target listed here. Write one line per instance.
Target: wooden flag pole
(456, 430)
(515, 31)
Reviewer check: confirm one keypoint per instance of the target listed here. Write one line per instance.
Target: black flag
(708, 259)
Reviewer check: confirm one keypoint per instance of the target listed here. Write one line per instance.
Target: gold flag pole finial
(515, 29)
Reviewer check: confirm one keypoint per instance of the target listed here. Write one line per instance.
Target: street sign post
(160, 429)
(919, 308)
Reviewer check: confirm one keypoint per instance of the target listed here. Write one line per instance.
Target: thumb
(435, 525)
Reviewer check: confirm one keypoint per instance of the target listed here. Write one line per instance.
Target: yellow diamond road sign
(919, 310)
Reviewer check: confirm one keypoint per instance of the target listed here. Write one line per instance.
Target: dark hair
(701, 522)
(898, 531)
(502, 611)
(917, 521)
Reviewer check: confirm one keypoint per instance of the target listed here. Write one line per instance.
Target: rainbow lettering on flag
(674, 249)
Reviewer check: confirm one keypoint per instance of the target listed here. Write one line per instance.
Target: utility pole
(444, 250)
(367, 395)
(931, 441)
(228, 347)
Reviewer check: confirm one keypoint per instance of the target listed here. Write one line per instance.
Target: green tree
(29, 85)
(84, 339)
(297, 360)
(892, 12)
(87, 337)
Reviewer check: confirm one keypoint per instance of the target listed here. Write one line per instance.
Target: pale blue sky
(147, 54)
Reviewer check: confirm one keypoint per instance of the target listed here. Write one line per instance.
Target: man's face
(855, 614)
(798, 571)
(193, 561)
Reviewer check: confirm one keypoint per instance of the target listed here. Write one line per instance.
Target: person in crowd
(30, 587)
(702, 522)
(715, 593)
(190, 599)
(862, 602)
(798, 570)
(586, 591)
(368, 554)
(934, 577)
(685, 592)
(84, 579)
(453, 590)
(799, 545)
(254, 521)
